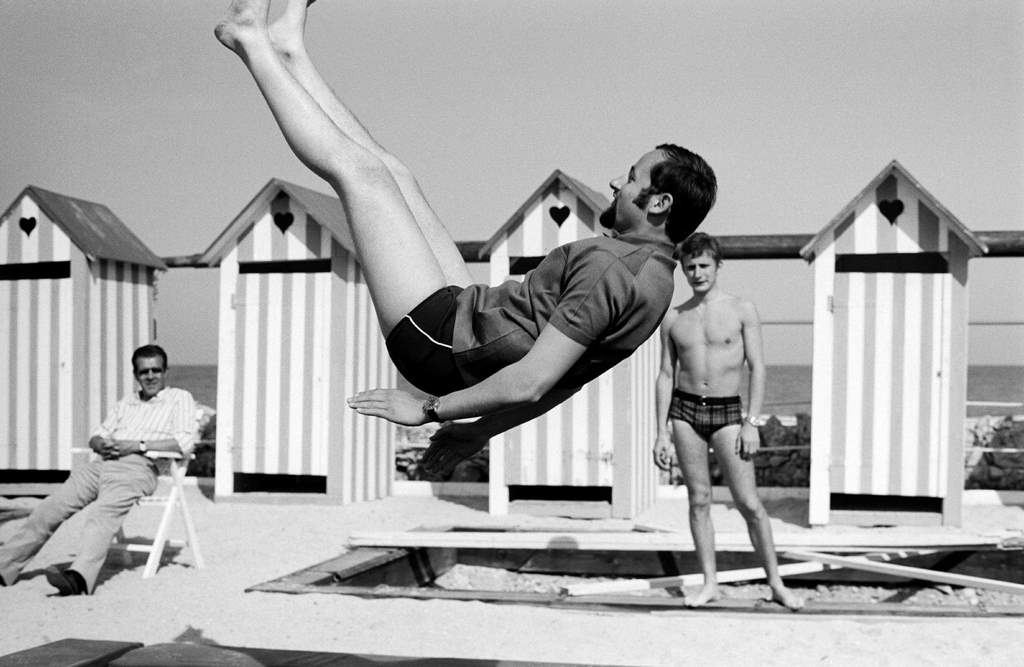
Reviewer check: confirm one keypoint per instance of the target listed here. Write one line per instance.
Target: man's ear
(660, 203)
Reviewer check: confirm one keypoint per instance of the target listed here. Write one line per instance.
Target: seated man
(478, 351)
(156, 418)
(706, 341)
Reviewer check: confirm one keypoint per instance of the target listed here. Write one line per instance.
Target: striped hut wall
(36, 408)
(361, 453)
(538, 233)
(952, 475)
(623, 459)
(274, 361)
(120, 297)
(340, 429)
(636, 477)
(572, 444)
(228, 361)
(822, 386)
(890, 352)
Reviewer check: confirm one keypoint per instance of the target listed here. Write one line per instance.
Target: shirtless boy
(478, 351)
(705, 343)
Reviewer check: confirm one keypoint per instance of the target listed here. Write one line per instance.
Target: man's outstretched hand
(451, 444)
(395, 405)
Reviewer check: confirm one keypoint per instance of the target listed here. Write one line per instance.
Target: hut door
(888, 383)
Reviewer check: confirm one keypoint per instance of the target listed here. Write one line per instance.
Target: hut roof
(975, 246)
(325, 209)
(595, 200)
(92, 227)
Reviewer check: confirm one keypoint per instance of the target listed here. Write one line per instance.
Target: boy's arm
(663, 382)
(753, 350)
(750, 438)
(663, 395)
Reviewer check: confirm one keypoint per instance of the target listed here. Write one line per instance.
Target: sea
(788, 390)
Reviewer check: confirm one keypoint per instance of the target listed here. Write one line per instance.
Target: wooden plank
(69, 653)
(864, 563)
(729, 576)
(646, 541)
(662, 605)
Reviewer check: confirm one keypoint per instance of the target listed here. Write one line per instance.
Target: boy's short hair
(697, 244)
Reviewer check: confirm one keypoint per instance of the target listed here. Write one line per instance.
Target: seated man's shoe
(67, 582)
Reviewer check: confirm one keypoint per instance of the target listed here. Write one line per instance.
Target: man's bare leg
(287, 34)
(740, 477)
(384, 230)
(692, 454)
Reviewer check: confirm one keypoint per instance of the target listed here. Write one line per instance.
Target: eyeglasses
(150, 371)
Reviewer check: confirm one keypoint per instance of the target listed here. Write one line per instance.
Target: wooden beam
(728, 576)
(683, 580)
(1002, 243)
(645, 541)
(863, 563)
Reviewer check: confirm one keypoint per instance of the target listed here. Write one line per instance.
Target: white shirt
(171, 413)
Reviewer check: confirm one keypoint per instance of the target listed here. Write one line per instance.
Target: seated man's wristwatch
(142, 447)
(756, 422)
(430, 408)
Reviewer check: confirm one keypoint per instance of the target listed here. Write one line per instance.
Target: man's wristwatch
(142, 447)
(430, 408)
(756, 422)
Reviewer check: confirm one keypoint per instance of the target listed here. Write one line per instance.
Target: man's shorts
(420, 345)
(706, 414)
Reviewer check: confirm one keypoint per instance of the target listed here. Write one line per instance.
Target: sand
(245, 543)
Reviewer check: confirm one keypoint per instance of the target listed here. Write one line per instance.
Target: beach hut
(890, 356)
(77, 290)
(298, 334)
(589, 447)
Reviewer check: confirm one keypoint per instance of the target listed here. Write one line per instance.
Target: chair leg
(156, 552)
(121, 544)
(190, 529)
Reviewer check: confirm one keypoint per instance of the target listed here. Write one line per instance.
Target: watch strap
(430, 406)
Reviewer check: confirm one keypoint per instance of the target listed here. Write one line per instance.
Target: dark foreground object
(90, 653)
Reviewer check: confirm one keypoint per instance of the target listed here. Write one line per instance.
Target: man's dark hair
(149, 352)
(698, 244)
(692, 184)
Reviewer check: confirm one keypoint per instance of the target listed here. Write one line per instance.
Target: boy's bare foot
(787, 598)
(244, 19)
(708, 593)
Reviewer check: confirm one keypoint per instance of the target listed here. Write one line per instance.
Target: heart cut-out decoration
(27, 225)
(283, 220)
(891, 209)
(559, 214)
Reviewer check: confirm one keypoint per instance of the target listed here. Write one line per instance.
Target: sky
(797, 105)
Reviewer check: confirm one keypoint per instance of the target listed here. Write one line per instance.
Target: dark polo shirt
(607, 294)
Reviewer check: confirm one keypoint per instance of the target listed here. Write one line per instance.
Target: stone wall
(988, 468)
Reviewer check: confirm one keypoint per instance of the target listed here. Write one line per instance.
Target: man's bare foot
(288, 30)
(787, 598)
(450, 445)
(244, 19)
(708, 593)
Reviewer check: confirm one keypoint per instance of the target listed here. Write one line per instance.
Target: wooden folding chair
(178, 465)
(176, 498)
